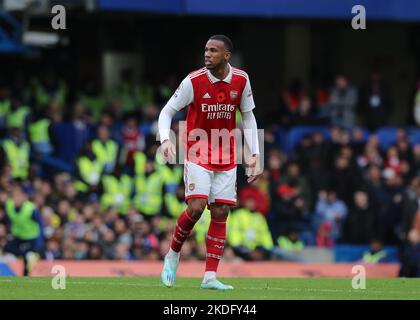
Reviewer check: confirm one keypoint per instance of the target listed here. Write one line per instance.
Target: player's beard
(210, 66)
(214, 67)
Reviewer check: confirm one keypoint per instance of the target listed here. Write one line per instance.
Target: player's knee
(220, 210)
(196, 207)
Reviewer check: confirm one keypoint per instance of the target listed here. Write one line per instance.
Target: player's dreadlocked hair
(228, 43)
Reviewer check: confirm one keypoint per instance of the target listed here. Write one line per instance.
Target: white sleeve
(247, 100)
(182, 97)
(251, 131)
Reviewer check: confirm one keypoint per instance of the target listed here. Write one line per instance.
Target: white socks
(209, 275)
(172, 254)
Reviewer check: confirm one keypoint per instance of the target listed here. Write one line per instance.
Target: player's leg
(197, 188)
(32, 255)
(185, 224)
(222, 197)
(17, 248)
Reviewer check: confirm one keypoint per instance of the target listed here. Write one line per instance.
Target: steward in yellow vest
(49, 89)
(26, 227)
(116, 191)
(248, 229)
(5, 105)
(174, 200)
(376, 254)
(39, 135)
(17, 117)
(89, 171)
(15, 154)
(290, 242)
(125, 91)
(92, 99)
(248, 234)
(105, 149)
(149, 183)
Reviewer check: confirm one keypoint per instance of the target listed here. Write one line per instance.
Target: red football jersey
(209, 136)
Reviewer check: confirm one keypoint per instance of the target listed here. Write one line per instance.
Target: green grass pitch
(130, 288)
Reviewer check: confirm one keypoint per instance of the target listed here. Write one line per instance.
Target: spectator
(52, 251)
(414, 116)
(48, 88)
(114, 125)
(318, 167)
(303, 152)
(411, 203)
(105, 149)
(5, 105)
(358, 141)
(324, 237)
(390, 218)
(305, 114)
(291, 100)
(95, 252)
(331, 210)
(259, 193)
(342, 104)
(41, 135)
(410, 266)
(81, 119)
(92, 98)
(248, 232)
(376, 253)
(376, 102)
(344, 179)
(149, 123)
(89, 171)
(289, 247)
(416, 159)
(359, 225)
(295, 179)
(14, 155)
(275, 163)
(125, 91)
(26, 227)
(288, 211)
(133, 141)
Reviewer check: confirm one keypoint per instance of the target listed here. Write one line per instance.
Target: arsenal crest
(191, 186)
(233, 94)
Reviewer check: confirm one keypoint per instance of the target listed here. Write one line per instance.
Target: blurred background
(340, 109)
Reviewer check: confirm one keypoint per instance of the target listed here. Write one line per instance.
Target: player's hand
(253, 168)
(169, 151)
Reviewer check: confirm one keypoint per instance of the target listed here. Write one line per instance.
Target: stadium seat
(281, 138)
(70, 140)
(353, 253)
(386, 136)
(414, 136)
(295, 135)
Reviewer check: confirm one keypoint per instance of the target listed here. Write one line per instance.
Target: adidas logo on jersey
(206, 96)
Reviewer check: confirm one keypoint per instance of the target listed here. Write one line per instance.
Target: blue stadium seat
(281, 138)
(414, 136)
(366, 134)
(387, 136)
(295, 134)
(70, 140)
(353, 253)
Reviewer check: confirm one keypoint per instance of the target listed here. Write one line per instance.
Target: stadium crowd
(100, 192)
